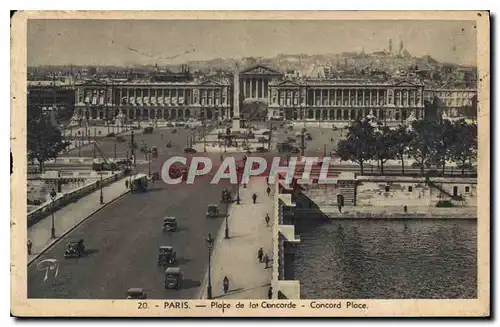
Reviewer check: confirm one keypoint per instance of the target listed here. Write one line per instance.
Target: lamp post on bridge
(101, 198)
(209, 240)
(53, 195)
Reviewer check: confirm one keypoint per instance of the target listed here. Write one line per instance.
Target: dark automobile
(173, 278)
(169, 224)
(166, 255)
(189, 150)
(74, 249)
(213, 211)
(136, 294)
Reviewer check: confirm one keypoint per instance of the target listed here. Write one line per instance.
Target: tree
(400, 140)
(44, 141)
(359, 145)
(423, 146)
(464, 147)
(384, 149)
(444, 140)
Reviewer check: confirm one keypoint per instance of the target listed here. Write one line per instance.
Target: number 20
(142, 305)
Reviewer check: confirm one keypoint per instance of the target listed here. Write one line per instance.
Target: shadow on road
(182, 261)
(89, 252)
(189, 283)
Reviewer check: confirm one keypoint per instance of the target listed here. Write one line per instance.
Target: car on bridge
(166, 255)
(169, 224)
(136, 294)
(173, 278)
(74, 249)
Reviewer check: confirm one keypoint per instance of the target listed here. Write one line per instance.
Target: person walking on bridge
(267, 219)
(266, 260)
(225, 284)
(254, 198)
(268, 190)
(260, 254)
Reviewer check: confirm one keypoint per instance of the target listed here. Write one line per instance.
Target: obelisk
(236, 100)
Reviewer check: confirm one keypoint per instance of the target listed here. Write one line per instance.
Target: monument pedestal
(236, 124)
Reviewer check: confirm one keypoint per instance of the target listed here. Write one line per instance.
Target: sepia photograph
(250, 164)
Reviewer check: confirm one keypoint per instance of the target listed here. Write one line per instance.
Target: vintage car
(173, 278)
(169, 224)
(166, 255)
(74, 249)
(174, 130)
(136, 294)
(154, 151)
(226, 196)
(169, 144)
(213, 211)
(189, 150)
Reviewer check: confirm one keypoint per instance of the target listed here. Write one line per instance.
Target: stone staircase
(349, 193)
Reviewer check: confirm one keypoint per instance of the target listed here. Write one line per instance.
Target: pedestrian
(270, 293)
(254, 198)
(225, 284)
(266, 260)
(260, 254)
(126, 183)
(30, 245)
(268, 191)
(267, 220)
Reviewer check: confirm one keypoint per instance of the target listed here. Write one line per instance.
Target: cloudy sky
(128, 42)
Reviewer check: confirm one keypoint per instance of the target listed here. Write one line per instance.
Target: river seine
(386, 259)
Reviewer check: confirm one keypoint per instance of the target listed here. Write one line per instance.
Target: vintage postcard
(252, 164)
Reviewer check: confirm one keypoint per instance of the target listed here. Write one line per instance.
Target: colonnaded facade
(306, 99)
(97, 100)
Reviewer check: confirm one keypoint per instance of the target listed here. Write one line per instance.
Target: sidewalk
(69, 216)
(236, 257)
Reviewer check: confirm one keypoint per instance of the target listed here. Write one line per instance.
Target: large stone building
(306, 99)
(452, 102)
(45, 96)
(146, 100)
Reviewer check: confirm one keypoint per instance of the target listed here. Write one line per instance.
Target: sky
(108, 42)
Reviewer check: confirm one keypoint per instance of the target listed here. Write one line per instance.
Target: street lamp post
(226, 231)
(53, 229)
(149, 163)
(100, 185)
(210, 243)
(238, 193)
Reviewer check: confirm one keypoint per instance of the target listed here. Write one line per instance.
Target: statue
(120, 119)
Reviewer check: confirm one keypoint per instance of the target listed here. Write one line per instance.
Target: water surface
(387, 259)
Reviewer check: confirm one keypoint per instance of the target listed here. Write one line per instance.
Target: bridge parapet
(284, 241)
(65, 198)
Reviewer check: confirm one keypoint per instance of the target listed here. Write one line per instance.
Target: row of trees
(430, 143)
(44, 141)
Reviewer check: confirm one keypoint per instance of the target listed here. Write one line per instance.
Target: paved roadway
(123, 239)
